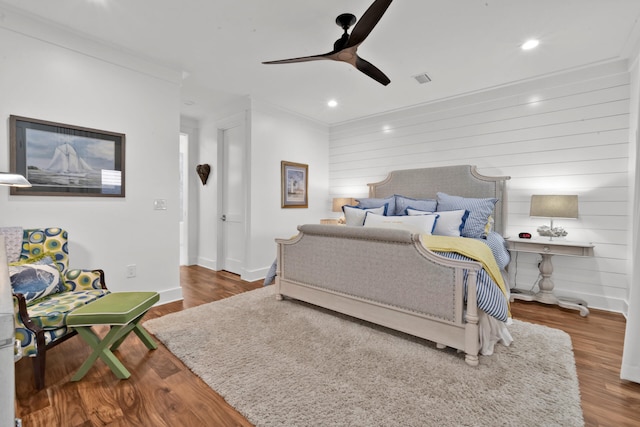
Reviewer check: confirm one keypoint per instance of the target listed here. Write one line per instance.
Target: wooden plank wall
(560, 135)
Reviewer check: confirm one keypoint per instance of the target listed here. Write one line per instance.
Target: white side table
(547, 248)
(331, 221)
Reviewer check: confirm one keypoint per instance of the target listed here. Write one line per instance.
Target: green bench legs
(122, 311)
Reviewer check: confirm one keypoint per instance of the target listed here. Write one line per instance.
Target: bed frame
(386, 276)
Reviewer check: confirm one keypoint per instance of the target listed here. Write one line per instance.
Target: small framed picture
(295, 177)
(66, 160)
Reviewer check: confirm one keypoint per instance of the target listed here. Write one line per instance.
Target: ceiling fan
(345, 48)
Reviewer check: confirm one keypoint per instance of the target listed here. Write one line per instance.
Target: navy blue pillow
(369, 203)
(402, 203)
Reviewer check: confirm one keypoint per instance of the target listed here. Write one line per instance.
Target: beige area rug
(286, 363)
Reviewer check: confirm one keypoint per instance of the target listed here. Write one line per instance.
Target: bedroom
(78, 80)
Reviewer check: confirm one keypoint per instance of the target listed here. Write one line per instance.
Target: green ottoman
(122, 311)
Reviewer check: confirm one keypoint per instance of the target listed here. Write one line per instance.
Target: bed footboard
(384, 276)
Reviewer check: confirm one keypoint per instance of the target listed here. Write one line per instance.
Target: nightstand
(547, 248)
(332, 221)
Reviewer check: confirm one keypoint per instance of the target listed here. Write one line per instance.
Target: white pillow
(422, 224)
(355, 216)
(450, 223)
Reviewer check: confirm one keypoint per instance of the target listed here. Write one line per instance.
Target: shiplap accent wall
(566, 134)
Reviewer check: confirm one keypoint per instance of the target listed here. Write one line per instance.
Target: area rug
(287, 363)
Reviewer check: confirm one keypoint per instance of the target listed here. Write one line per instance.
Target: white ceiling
(463, 45)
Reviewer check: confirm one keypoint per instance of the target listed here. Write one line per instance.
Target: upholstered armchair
(41, 309)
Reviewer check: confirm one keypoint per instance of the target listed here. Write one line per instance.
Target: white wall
(277, 135)
(207, 197)
(630, 369)
(562, 134)
(273, 135)
(48, 74)
(208, 194)
(189, 127)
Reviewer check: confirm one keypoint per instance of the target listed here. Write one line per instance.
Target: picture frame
(295, 182)
(66, 160)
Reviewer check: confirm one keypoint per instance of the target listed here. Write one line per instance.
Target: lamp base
(546, 231)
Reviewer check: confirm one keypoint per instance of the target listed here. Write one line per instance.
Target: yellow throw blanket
(470, 248)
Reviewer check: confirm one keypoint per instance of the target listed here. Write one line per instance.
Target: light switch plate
(160, 204)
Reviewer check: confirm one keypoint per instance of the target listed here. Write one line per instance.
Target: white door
(232, 198)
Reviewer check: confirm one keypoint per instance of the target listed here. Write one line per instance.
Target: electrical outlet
(131, 270)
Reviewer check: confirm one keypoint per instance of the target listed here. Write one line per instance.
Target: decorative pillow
(479, 212)
(422, 224)
(402, 203)
(499, 248)
(450, 223)
(35, 279)
(354, 216)
(13, 242)
(376, 203)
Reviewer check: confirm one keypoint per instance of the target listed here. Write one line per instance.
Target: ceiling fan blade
(372, 71)
(302, 59)
(367, 22)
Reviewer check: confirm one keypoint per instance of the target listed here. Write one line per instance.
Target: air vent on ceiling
(422, 78)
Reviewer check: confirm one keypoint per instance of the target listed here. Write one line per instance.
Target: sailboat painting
(67, 161)
(72, 161)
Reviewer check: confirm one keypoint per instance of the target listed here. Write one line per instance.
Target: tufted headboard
(463, 180)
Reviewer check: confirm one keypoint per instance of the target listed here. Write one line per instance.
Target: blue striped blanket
(491, 289)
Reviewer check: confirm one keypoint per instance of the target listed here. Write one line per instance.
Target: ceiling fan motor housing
(345, 20)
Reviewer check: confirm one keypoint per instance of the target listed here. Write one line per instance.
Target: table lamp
(7, 327)
(338, 203)
(553, 206)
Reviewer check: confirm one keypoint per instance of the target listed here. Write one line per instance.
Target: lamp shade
(554, 206)
(339, 202)
(13, 180)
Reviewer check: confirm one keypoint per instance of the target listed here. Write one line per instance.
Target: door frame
(239, 119)
(185, 207)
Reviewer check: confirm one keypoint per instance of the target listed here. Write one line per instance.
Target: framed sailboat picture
(294, 183)
(64, 160)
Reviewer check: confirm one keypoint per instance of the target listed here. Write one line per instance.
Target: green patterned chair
(41, 311)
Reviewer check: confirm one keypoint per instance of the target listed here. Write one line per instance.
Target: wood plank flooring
(163, 392)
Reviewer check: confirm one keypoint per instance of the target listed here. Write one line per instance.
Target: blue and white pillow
(369, 203)
(35, 280)
(354, 215)
(479, 212)
(499, 248)
(450, 223)
(402, 203)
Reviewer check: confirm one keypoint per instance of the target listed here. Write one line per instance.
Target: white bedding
(492, 332)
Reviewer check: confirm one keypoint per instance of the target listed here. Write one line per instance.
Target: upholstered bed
(388, 276)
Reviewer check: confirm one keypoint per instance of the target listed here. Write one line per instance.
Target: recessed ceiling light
(332, 103)
(530, 44)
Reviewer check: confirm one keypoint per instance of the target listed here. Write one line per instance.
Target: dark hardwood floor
(163, 392)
